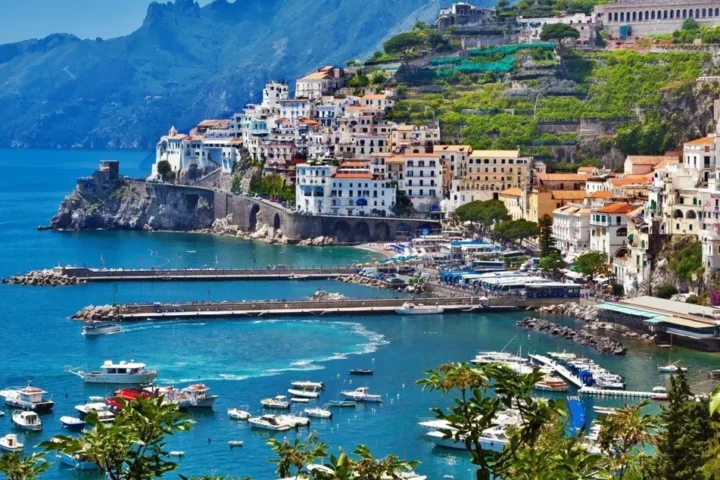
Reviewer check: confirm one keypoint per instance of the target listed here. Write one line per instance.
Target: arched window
(704, 13)
(697, 13)
(717, 12)
(684, 13)
(622, 232)
(634, 16)
(652, 15)
(622, 16)
(691, 215)
(672, 13)
(678, 214)
(677, 14)
(665, 14)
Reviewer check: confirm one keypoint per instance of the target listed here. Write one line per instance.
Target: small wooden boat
(361, 371)
(237, 414)
(10, 443)
(236, 443)
(27, 420)
(342, 403)
(71, 423)
(299, 400)
(76, 461)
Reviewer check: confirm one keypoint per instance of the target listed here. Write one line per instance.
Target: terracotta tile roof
(215, 123)
(701, 141)
(561, 177)
(179, 136)
(615, 208)
(512, 192)
(366, 176)
(374, 96)
(619, 182)
(354, 163)
(568, 194)
(452, 148)
(646, 159)
(396, 159)
(585, 169)
(601, 194)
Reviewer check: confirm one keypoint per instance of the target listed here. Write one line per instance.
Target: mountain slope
(183, 64)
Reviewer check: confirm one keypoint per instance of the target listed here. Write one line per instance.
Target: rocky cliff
(135, 206)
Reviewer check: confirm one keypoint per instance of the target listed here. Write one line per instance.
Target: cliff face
(127, 205)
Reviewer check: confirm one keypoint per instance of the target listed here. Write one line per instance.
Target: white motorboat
(493, 439)
(294, 420)
(299, 400)
(303, 393)
(672, 368)
(10, 443)
(307, 385)
(278, 402)
(86, 408)
(318, 413)
(609, 384)
(563, 356)
(603, 411)
(93, 328)
(27, 398)
(124, 373)
(437, 425)
(72, 424)
(176, 453)
(27, 420)
(236, 443)
(268, 422)
(197, 397)
(237, 414)
(361, 394)
(659, 389)
(419, 309)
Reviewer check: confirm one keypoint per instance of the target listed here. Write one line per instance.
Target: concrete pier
(313, 308)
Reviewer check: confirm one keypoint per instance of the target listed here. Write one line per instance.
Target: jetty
(562, 371)
(621, 393)
(298, 308)
(76, 275)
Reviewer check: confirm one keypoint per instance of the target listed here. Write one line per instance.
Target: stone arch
(691, 215)
(252, 220)
(361, 232)
(342, 231)
(382, 232)
(678, 214)
(403, 230)
(621, 252)
(277, 222)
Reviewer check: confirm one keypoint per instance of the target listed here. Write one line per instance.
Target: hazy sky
(24, 19)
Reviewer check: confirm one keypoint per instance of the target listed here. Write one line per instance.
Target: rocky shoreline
(372, 282)
(43, 278)
(583, 337)
(99, 312)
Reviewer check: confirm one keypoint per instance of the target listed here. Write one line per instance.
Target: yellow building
(544, 202)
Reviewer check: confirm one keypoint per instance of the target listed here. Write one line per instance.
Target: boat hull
(272, 428)
(16, 448)
(138, 379)
(101, 331)
(438, 440)
(38, 407)
(29, 428)
(412, 311)
(75, 463)
(72, 424)
(303, 393)
(365, 398)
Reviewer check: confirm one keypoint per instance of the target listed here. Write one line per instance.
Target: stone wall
(647, 17)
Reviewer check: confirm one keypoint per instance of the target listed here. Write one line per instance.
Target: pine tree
(682, 444)
(547, 242)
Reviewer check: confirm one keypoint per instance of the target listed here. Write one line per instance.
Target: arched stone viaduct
(247, 212)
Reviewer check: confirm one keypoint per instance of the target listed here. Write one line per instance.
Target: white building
(322, 81)
(422, 181)
(530, 28)
(350, 189)
(608, 230)
(571, 228)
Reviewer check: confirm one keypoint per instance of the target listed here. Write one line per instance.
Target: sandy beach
(376, 248)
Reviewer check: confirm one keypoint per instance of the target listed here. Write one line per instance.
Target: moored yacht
(268, 422)
(307, 385)
(278, 402)
(294, 420)
(419, 309)
(237, 414)
(27, 420)
(493, 439)
(123, 373)
(295, 392)
(27, 398)
(97, 407)
(318, 413)
(361, 394)
(672, 368)
(196, 396)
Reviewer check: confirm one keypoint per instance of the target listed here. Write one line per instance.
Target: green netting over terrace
(510, 49)
(445, 60)
(504, 65)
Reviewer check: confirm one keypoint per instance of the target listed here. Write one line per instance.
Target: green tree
(483, 392)
(681, 444)
(666, 291)
(651, 137)
(297, 454)
(359, 80)
(15, 466)
(515, 230)
(547, 241)
(591, 264)
(552, 264)
(486, 213)
(403, 43)
(132, 447)
(403, 205)
(627, 433)
(690, 24)
(235, 185)
(502, 4)
(370, 468)
(164, 169)
(378, 78)
(559, 32)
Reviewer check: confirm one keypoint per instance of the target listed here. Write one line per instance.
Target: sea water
(243, 361)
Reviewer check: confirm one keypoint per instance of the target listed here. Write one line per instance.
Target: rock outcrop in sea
(583, 337)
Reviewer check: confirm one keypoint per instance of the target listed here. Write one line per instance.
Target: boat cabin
(122, 368)
(31, 394)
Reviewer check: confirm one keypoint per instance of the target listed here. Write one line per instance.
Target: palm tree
(17, 467)
(297, 454)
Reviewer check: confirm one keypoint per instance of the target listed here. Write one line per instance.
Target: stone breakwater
(43, 278)
(589, 313)
(583, 337)
(96, 312)
(373, 282)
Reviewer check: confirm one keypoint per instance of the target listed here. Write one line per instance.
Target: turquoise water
(242, 361)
